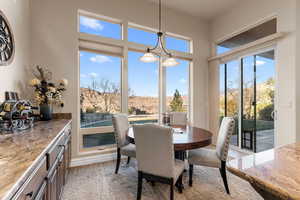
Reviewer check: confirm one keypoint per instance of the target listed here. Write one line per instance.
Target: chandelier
(159, 50)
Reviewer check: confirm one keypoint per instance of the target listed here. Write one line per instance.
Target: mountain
(94, 101)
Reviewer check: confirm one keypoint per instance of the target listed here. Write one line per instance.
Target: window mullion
(124, 94)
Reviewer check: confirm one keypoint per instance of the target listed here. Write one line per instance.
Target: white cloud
(260, 62)
(91, 23)
(81, 54)
(100, 59)
(83, 75)
(93, 75)
(182, 80)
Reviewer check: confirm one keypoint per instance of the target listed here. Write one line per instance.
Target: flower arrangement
(46, 92)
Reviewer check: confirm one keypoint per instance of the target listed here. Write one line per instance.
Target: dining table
(184, 138)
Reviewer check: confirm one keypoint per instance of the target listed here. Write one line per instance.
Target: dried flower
(34, 82)
(63, 82)
(52, 89)
(45, 91)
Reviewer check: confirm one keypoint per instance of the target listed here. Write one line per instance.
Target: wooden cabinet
(52, 185)
(49, 176)
(58, 170)
(42, 193)
(31, 187)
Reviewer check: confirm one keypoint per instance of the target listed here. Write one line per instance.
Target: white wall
(12, 77)
(246, 13)
(55, 43)
(297, 71)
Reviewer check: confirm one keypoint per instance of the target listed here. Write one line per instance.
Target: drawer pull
(30, 194)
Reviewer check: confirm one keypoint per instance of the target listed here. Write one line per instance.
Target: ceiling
(205, 9)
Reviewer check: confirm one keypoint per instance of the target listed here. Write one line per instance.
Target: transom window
(258, 32)
(141, 36)
(114, 80)
(173, 43)
(98, 27)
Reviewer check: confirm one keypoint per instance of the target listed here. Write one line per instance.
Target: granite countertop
(21, 150)
(274, 173)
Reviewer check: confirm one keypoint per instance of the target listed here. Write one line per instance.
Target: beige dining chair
(214, 157)
(178, 118)
(121, 126)
(155, 156)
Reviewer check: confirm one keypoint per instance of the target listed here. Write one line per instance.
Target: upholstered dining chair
(214, 157)
(121, 126)
(155, 157)
(178, 118)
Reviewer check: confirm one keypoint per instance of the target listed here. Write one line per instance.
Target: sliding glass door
(265, 101)
(248, 124)
(247, 93)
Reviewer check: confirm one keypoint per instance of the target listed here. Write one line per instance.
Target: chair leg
(140, 185)
(179, 184)
(224, 177)
(172, 191)
(128, 160)
(118, 160)
(191, 175)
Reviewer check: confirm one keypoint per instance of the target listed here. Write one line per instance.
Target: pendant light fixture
(159, 50)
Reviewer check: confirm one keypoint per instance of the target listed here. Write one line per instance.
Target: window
(99, 139)
(258, 32)
(177, 87)
(99, 27)
(100, 95)
(143, 90)
(105, 71)
(141, 36)
(229, 94)
(222, 92)
(176, 44)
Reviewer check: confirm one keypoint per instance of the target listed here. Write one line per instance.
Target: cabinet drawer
(55, 150)
(31, 187)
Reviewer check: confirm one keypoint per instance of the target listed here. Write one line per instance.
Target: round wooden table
(190, 138)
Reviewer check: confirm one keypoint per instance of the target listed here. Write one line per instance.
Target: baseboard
(88, 160)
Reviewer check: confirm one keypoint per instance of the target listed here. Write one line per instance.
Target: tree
(176, 104)
(106, 95)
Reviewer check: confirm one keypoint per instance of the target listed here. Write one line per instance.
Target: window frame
(120, 48)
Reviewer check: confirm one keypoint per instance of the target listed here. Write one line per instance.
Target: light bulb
(148, 58)
(170, 62)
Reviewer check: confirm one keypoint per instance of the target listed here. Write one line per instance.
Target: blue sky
(142, 77)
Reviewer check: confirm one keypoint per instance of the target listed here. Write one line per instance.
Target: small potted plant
(46, 93)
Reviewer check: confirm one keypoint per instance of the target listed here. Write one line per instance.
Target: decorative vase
(46, 112)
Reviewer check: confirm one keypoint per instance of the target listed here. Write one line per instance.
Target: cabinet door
(60, 176)
(52, 186)
(42, 193)
(67, 158)
(31, 187)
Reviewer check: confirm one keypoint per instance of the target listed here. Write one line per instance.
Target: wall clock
(7, 46)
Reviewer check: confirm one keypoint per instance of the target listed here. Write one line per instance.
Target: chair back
(178, 118)
(121, 126)
(154, 149)
(223, 141)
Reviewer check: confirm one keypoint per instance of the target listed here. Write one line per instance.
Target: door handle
(273, 115)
